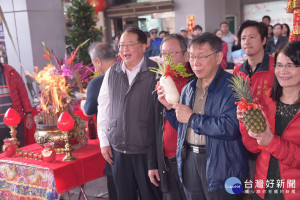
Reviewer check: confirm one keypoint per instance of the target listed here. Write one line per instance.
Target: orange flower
(46, 56)
(70, 60)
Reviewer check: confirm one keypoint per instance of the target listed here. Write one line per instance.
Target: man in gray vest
(126, 118)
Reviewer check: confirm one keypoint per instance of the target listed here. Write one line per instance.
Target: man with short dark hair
(197, 30)
(258, 67)
(126, 122)
(163, 34)
(209, 146)
(266, 20)
(277, 40)
(229, 38)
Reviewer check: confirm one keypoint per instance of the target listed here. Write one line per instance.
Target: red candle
(40, 156)
(30, 155)
(65, 122)
(35, 155)
(11, 117)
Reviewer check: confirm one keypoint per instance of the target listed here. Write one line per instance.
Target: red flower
(168, 68)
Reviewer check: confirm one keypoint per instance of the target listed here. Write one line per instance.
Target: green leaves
(241, 88)
(83, 24)
(168, 67)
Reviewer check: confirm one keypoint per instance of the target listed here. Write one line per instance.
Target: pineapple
(253, 118)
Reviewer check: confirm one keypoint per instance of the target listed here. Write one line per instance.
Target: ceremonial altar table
(24, 178)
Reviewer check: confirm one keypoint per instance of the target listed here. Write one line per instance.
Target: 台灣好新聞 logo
(233, 186)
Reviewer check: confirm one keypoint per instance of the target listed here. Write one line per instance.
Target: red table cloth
(67, 175)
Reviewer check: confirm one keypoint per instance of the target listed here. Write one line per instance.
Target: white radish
(171, 93)
(167, 70)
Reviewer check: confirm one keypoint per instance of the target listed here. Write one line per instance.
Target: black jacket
(271, 47)
(156, 158)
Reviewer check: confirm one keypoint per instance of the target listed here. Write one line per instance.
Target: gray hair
(177, 37)
(214, 42)
(102, 51)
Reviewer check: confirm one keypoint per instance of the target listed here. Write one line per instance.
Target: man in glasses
(164, 149)
(209, 145)
(156, 41)
(126, 118)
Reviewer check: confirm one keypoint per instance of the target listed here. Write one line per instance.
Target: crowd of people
(278, 34)
(188, 150)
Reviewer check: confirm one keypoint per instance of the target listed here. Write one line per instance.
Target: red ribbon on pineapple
(244, 105)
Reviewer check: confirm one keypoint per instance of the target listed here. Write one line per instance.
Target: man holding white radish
(126, 118)
(209, 146)
(164, 151)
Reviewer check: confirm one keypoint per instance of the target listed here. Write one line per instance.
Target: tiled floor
(93, 190)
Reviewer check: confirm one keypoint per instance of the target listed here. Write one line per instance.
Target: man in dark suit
(274, 42)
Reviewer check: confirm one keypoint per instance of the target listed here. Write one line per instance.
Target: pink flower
(67, 73)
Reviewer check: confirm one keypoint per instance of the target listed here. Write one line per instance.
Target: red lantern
(99, 5)
(65, 122)
(11, 117)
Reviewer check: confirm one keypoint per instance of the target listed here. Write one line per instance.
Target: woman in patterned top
(277, 169)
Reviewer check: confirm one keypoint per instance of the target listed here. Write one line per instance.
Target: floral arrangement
(76, 74)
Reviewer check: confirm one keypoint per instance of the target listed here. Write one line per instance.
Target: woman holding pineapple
(277, 170)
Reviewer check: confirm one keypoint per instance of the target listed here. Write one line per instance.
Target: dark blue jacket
(225, 152)
(91, 103)
(152, 51)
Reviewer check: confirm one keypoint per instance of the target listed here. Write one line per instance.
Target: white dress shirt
(104, 101)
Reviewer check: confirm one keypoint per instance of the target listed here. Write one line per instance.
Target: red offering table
(18, 174)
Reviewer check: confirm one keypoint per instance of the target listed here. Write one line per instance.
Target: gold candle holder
(13, 134)
(68, 149)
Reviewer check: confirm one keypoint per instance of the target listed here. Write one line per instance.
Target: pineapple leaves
(241, 88)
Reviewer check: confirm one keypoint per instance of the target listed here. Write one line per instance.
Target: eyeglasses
(129, 45)
(153, 32)
(192, 57)
(252, 37)
(288, 66)
(172, 53)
